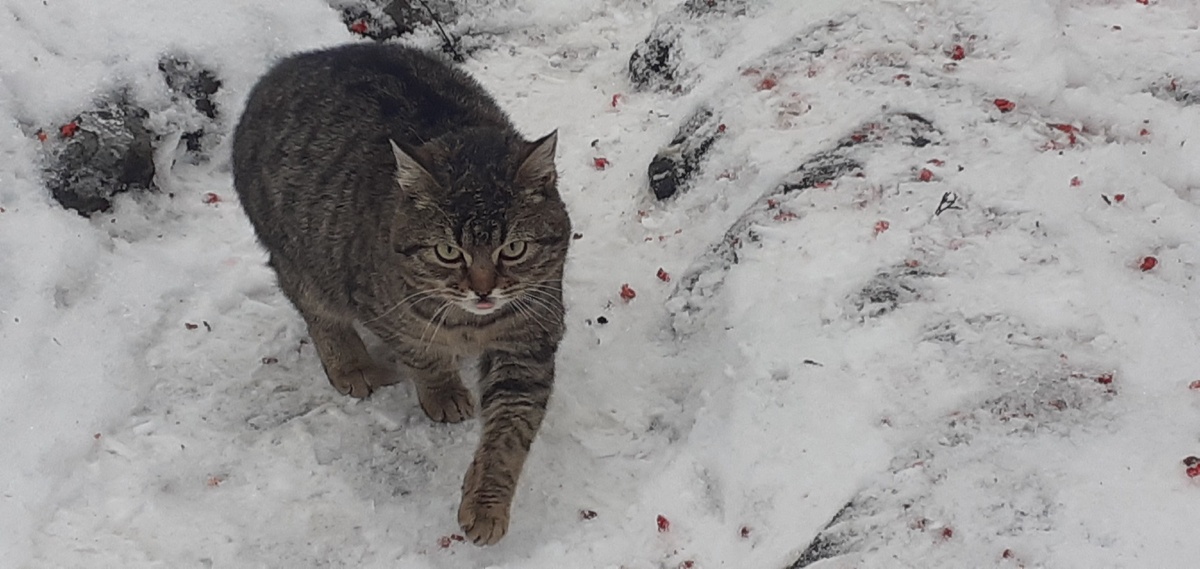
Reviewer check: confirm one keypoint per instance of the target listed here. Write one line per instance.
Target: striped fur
(361, 168)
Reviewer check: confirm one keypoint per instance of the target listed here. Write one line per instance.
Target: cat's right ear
(413, 179)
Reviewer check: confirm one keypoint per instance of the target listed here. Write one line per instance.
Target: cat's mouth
(483, 305)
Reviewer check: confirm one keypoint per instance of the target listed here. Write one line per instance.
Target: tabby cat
(390, 190)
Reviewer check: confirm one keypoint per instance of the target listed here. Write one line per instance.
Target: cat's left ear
(538, 173)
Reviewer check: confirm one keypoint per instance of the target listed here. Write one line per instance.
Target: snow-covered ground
(833, 376)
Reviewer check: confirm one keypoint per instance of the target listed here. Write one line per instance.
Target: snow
(768, 396)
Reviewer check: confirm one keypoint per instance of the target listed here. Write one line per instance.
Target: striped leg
(515, 389)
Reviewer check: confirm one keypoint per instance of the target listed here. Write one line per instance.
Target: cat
(390, 190)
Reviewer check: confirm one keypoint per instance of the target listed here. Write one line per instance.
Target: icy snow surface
(939, 383)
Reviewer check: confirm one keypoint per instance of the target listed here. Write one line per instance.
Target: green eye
(513, 250)
(447, 253)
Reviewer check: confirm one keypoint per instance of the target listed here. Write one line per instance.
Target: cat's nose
(481, 281)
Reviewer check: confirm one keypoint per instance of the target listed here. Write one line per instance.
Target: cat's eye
(513, 250)
(448, 254)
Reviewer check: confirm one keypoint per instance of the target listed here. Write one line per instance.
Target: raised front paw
(360, 382)
(447, 404)
(483, 521)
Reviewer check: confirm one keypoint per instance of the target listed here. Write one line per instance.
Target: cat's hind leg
(349, 367)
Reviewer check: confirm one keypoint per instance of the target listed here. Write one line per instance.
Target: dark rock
(382, 20)
(657, 62)
(676, 165)
(109, 151)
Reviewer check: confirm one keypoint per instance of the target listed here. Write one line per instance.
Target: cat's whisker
(415, 298)
(438, 327)
(445, 306)
(525, 311)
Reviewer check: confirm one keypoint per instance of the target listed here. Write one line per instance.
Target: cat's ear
(538, 173)
(412, 177)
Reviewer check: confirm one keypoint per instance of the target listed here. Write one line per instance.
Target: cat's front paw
(447, 404)
(360, 382)
(483, 522)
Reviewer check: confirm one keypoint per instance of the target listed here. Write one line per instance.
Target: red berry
(1144, 132)
(444, 541)
(600, 163)
(721, 128)
(881, 226)
(925, 175)
(1004, 105)
(1193, 471)
(1194, 385)
(663, 275)
(1144, 2)
(689, 564)
(68, 130)
(587, 514)
(41, 135)
(1119, 198)
(664, 524)
(627, 293)
(1148, 263)
(947, 533)
(616, 98)
(359, 27)
(211, 198)
(769, 82)
(1076, 182)
(1104, 379)
(957, 53)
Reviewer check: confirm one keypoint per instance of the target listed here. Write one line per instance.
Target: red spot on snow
(359, 27)
(1144, 132)
(663, 275)
(444, 542)
(587, 514)
(41, 135)
(947, 533)
(1195, 385)
(744, 532)
(1193, 471)
(1148, 263)
(96, 436)
(823, 185)
(689, 564)
(912, 263)
(1004, 105)
(767, 83)
(190, 326)
(1008, 554)
(664, 525)
(68, 130)
(616, 98)
(957, 53)
(936, 162)
(903, 78)
(925, 175)
(211, 198)
(721, 128)
(772, 204)
(881, 226)
(1076, 182)
(785, 216)
(1144, 2)
(1119, 198)
(600, 163)
(1070, 130)
(1105, 379)
(627, 293)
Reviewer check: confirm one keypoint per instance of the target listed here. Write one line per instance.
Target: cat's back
(393, 89)
(311, 149)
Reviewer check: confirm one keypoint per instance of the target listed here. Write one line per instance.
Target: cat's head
(480, 223)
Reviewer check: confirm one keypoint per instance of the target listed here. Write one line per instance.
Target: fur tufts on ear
(538, 172)
(409, 173)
